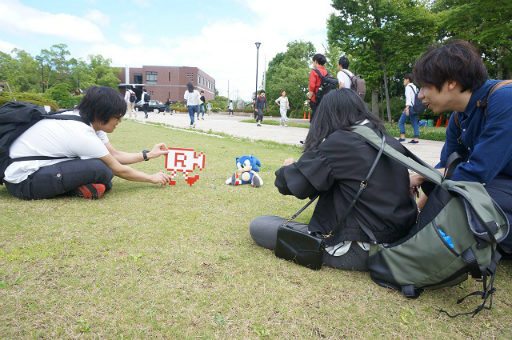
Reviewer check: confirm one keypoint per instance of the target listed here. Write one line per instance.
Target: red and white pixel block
(186, 161)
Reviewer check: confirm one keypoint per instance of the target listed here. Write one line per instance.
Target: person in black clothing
(260, 105)
(145, 100)
(334, 163)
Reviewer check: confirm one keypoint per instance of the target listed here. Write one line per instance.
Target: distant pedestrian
(230, 108)
(193, 99)
(344, 75)
(261, 104)
(145, 100)
(209, 108)
(410, 93)
(315, 81)
(201, 105)
(168, 106)
(284, 105)
(130, 98)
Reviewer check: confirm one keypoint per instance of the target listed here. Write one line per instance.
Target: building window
(137, 78)
(151, 78)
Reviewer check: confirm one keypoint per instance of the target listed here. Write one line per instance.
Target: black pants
(313, 105)
(58, 179)
(145, 107)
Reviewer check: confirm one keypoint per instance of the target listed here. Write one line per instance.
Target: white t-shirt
(193, 98)
(410, 93)
(344, 78)
(283, 103)
(54, 138)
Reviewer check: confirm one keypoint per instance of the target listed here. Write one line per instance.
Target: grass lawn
(178, 262)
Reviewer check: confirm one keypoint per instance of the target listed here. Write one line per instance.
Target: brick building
(164, 82)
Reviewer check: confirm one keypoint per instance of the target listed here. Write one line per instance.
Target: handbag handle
(362, 186)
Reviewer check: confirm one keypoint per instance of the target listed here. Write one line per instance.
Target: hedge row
(35, 98)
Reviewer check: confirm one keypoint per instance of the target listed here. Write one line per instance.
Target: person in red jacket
(319, 61)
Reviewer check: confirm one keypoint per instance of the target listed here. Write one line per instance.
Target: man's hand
(160, 178)
(414, 182)
(158, 150)
(288, 161)
(407, 112)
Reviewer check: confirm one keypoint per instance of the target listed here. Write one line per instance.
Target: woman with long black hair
(192, 97)
(334, 163)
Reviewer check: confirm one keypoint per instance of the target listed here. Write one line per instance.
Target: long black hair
(339, 110)
(190, 87)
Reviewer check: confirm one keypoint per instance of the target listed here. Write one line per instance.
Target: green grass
(178, 262)
(430, 133)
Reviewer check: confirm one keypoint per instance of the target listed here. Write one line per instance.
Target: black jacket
(334, 169)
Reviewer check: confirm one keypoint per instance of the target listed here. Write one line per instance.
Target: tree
(102, 72)
(380, 35)
(290, 71)
(487, 24)
(56, 66)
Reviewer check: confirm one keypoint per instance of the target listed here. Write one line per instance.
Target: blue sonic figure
(247, 168)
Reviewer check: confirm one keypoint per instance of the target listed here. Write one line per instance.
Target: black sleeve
(307, 177)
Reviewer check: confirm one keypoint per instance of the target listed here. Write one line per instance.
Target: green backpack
(456, 233)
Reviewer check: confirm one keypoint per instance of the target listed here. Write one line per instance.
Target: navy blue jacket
(486, 145)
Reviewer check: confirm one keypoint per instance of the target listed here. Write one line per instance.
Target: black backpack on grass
(456, 233)
(15, 119)
(327, 84)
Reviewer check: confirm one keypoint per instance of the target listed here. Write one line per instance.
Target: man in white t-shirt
(89, 160)
(408, 113)
(344, 74)
(130, 98)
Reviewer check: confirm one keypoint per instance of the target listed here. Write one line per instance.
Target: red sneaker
(91, 191)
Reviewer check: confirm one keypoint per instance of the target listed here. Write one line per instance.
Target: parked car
(153, 105)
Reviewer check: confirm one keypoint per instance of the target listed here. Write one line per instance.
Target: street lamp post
(257, 60)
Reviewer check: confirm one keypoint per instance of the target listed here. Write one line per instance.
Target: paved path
(231, 125)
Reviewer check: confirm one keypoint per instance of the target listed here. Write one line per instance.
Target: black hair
(457, 60)
(410, 77)
(339, 110)
(262, 91)
(344, 62)
(144, 90)
(202, 91)
(320, 59)
(99, 104)
(190, 87)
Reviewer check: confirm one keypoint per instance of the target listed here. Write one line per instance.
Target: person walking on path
(344, 75)
(168, 106)
(130, 98)
(410, 93)
(209, 108)
(201, 105)
(193, 99)
(230, 109)
(145, 99)
(315, 81)
(261, 104)
(284, 105)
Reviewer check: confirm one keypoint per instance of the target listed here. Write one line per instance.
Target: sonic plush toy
(247, 168)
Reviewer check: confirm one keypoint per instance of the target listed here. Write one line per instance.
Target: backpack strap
(413, 163)
(494, 88)
(320, 74)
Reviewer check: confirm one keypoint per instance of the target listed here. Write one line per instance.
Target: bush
(34, 98)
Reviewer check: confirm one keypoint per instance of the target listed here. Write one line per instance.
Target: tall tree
(290, 71)
(380, 35)
(487, 24)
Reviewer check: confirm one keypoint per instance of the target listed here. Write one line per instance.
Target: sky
(217, 36)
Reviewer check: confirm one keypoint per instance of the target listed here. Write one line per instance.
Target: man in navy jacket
(454, 78)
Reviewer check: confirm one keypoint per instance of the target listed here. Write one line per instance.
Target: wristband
(145, 155)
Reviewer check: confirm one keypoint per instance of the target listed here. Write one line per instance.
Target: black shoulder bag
(305, 249)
